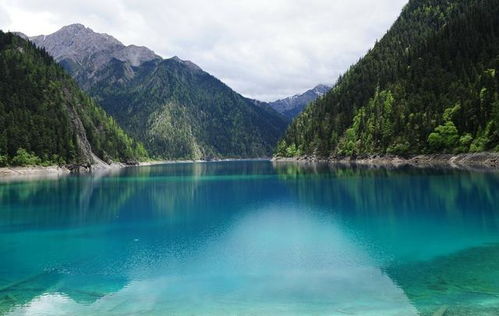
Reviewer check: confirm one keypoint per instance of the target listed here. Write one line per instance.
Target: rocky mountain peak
(79, 45)
(188, 63)
(322, 88)
(74, 27)
(292, 106)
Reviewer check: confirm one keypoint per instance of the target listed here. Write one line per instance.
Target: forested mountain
(180, 111)
(292, 106)
(430, 85)
(46, 119)
(175, 108)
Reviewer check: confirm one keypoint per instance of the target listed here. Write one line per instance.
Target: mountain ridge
(294, 105)
(47, 119)
(175, 108)
(65, 42)
(428, 86)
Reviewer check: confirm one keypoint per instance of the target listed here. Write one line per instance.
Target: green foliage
(450, 113)
(398, 148)
(281, 149)
(482, 139)
(373, 128)
(4, 160)
(494, 139)
(465, 143)
(445, 138)
(429, 85)
(24, 158)
(292, 151)
(44, 116)
(348, 146)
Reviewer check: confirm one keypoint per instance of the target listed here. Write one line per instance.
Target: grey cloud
(263, 49)
(4, 18)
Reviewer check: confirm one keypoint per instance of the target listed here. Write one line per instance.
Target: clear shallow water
(251, 238)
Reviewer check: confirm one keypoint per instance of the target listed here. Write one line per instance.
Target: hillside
(46, 119)
(175, 108)
(292, 106)
(430, 85)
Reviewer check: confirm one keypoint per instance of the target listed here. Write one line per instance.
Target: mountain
(430, 85)
(83, 52)
(46, 119)
(174, 107)
(292, 106)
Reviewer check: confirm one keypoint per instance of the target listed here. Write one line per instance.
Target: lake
(252, 237)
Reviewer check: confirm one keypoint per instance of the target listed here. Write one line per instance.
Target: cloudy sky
(264, 49)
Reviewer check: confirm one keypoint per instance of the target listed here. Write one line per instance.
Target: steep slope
(175, 108)
(429, 85)
(180, 111)
(45, 118)
(292, 106)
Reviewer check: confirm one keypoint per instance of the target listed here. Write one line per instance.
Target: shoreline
(482, 161)
(478, 161)
(34, 172)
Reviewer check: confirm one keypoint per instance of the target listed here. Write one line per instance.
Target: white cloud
(263, 49)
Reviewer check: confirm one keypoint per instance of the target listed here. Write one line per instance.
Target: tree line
(430, 85)
(45, 118)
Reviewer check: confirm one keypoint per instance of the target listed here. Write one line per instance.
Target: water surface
(251, 237)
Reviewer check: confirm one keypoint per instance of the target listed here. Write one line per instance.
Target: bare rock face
(135, 55)
(84, 52)
(292, 106)
(76, 42)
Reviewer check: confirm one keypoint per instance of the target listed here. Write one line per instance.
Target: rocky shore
(57, 171)
(484, 160)
(33, 172)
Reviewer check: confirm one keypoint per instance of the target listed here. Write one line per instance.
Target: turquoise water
(251, 237)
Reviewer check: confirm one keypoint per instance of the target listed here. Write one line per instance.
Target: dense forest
(179, 111)
(430, 85)
(46, 119)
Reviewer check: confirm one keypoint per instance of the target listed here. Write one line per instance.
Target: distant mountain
(292, 106)
(46, 119)
(175, 108)
(430, 85)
